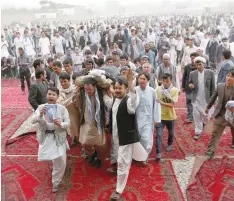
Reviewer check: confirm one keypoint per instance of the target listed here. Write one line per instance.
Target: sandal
(55, 189)
(116, 197)
(209, 154)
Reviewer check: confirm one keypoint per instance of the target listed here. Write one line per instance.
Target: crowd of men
(145, 58)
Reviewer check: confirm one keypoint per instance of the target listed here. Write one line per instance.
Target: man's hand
(191, 86)
(42, 112)
(156, 123)
(57, 123)
(129, 75)
(206, 111)
(77, 92)
(110, 91)
(159, 101)
(51, 83)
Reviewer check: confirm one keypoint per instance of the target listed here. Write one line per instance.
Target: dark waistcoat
(126, 124)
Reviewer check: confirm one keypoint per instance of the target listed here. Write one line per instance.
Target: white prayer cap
(133, 28)
(201, 59)
(199, 48)
(166, 55)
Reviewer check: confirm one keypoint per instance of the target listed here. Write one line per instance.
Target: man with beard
(89, 101)
(124, 132)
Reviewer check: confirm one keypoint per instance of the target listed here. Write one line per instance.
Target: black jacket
(185, 80)
(126, 124)
(37, 94)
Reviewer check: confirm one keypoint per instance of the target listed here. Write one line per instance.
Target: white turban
(229, 115)
(166, 55)
(202, 59)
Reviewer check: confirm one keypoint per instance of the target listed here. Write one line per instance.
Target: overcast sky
(35, 3)
(88, 3)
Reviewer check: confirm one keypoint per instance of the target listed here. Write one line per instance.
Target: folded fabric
(230, 104)
(99, 75)
(229, 114)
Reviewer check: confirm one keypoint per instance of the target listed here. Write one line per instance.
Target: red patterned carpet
(12, 96)
(214, 181)
(22, 145)
(27, 145)
(11, 119)
(184, 133)
(23, 178)
(15, 109)
(26, 179)
(10, 83)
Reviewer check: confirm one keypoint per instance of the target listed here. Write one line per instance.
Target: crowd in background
(159, 57)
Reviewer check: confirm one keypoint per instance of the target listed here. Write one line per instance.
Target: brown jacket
(219, 92)
(76, 110)
(66, 100)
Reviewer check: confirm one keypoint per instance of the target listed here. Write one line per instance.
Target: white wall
(66, 11)
(45, 15)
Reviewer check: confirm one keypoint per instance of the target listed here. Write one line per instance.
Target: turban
(166, 55)
(202, 59)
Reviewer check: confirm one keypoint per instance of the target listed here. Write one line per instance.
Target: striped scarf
(167, 92)
(97, 112)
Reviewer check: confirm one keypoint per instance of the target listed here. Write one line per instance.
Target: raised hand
(129, 75)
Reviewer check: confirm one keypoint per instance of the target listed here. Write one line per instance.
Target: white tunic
(95, 37)
(186, 56)
(4, 50)
(18, 42)
(132, 104)
(151, 38)
(29, 46)
(49, 150)
(58, 43)
(44, 45)
(201, 96)
(148, 112)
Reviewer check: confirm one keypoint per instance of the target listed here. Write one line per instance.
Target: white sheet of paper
(139, 153)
